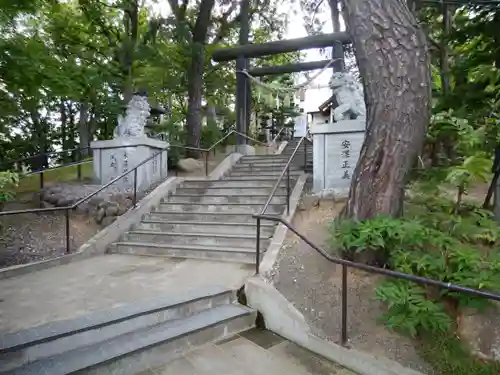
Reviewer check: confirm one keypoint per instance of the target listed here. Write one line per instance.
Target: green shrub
(428, 242)
(9, 181)
(210, 134)
(176, 135)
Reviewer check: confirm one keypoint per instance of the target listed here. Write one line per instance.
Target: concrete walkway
(253, 352)
(103, 282)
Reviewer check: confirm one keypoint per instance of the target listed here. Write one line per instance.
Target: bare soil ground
(32, 237)
(313, 285)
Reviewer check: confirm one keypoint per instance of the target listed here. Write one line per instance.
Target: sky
(314, 97)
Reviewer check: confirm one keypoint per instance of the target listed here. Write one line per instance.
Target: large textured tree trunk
(195, 79)
(195, 95)
(393, 61)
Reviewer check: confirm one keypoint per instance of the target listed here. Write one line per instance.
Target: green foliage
(409, 309)
(8, 183)
(210, 133)
(176, 136)
(449, 356)
(432, 242)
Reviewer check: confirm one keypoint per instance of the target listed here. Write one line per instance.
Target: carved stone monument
(336, 145)
(129, 147)
(349, 94)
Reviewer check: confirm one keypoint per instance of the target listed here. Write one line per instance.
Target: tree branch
(225, 24)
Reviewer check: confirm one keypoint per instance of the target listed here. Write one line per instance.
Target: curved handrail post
(378, 271)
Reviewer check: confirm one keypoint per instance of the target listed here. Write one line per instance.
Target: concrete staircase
(128, 339)
(212, 219)
(200, 331)
(299, 156)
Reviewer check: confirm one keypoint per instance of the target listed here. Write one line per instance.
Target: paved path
(253, 352)
(104, 282)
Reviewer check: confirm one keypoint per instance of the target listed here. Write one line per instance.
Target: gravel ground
(313, 285)
(33, 237)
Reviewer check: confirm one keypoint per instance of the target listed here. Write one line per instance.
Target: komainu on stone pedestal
(136, 116)
(349, 94)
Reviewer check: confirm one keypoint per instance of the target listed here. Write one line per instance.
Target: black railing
(370, 269)
(134, 170)
(286, 170)
(74, 153)
(69, 208)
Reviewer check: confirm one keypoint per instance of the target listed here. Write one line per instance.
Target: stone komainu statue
(136, 116)
(349, 94)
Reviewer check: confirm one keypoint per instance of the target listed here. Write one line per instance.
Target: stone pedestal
(116, 156)
(336, 148)
(300, 126)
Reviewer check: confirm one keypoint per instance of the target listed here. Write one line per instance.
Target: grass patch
(448, 356)
(31, 183)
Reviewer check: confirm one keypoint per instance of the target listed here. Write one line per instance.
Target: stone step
(271, 162)
(212, 217)
(248, 183)
(290, 150)
(262, 361)
(224, 199)
(266, 230)
(193, 238)
(219, 253)
(258, 177)
(231, 191)
(263, 174)
(236, 208)
(251, 168)
(152, 347)
(55, 338)
(256, 157)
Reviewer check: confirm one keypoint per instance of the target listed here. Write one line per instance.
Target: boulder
(104, 204)
(95, 201)
(190, 165)
(121, 210)
(100, 215)
(64, 201)
(52, 198)
(108, 220)
(112, 210)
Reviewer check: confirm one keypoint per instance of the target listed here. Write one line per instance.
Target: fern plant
(409, 309)
(475, 168)
(430, 243)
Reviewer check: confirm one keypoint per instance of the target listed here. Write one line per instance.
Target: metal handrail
(277, 135)
(252, 139)
(380, 271)
(67, 209)
(286, 170)
(13, 161)
(276, 185)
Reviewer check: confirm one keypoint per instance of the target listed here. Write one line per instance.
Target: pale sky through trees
(296, 29)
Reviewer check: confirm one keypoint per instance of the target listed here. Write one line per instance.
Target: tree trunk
(335, 14)
(392, 56)
(83, 128)
(195, 79)
(195, 95)
(64, 120)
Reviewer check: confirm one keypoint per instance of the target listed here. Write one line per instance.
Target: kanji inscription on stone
(345, 155)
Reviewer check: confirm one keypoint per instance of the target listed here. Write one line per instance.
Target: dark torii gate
(244, 51)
